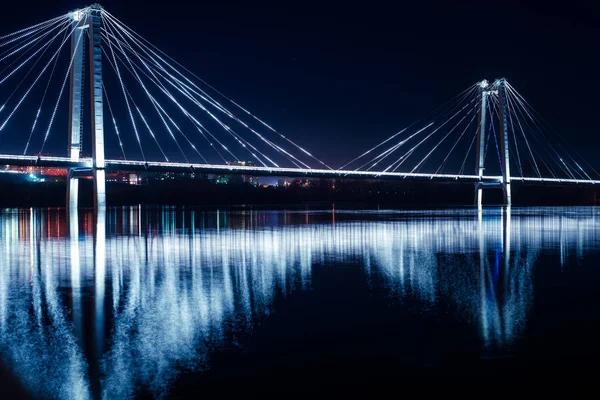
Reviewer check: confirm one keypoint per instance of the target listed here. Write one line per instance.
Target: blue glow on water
(112, 303)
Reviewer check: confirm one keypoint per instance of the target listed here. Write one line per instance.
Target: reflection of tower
(504, 286)
(100, 276)
(73, 218)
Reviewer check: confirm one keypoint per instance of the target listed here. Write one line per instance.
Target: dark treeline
(18, 193)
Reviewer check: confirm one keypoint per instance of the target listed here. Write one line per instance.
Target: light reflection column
(100, 276)
(482, 285)
(73, 216)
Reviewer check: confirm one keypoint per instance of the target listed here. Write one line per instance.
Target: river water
(165, 302)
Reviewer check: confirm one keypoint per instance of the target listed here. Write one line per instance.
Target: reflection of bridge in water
(161, 285)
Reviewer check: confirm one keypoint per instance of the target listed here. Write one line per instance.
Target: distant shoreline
(345, 194)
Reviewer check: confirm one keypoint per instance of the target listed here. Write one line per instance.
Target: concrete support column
(481, 137)
(76, 84)
(99, 189)
(72, 193)
(99, 280)
(96, 88)
(504, 150)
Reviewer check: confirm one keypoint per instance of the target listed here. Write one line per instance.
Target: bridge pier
(481, 186)
(99, 189)
(72, 193)
(504, 149)
(99, 178)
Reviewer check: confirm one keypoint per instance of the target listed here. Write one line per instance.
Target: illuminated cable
(441, 167)
(42, 101)
(392, 149)
(237, 137)
(112, 116)
(127, 101)
(411, 151)
(403, 130)
(159, 107)
(440, 142)
(545, 142)
(376, 160)
(18, 47)
(35, 26)
(514, 136)
(227, 113)
(462, 167)
(29, 58)
(40, 74)
(155, 103)
(516, 93)
(139, 112)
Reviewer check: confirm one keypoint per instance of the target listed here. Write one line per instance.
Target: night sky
(339, 78)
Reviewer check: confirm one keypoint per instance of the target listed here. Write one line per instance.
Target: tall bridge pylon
(89, 22)
(498, 89)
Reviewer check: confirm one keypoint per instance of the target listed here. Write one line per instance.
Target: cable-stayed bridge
(146, 112)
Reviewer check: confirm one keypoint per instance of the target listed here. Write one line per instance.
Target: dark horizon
(340, 79)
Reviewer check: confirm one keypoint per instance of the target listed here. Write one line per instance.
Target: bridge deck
(139, 166)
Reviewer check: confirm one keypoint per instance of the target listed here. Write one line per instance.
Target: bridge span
(141, 166)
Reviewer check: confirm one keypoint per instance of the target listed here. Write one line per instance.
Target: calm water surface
(163, 302)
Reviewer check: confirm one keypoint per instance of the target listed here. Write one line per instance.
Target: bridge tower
(498, 89)
(481, 138)
(90, 22)
(502, 101)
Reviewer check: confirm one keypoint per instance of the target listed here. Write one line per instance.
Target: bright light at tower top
(484, 83)
(77, 15)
